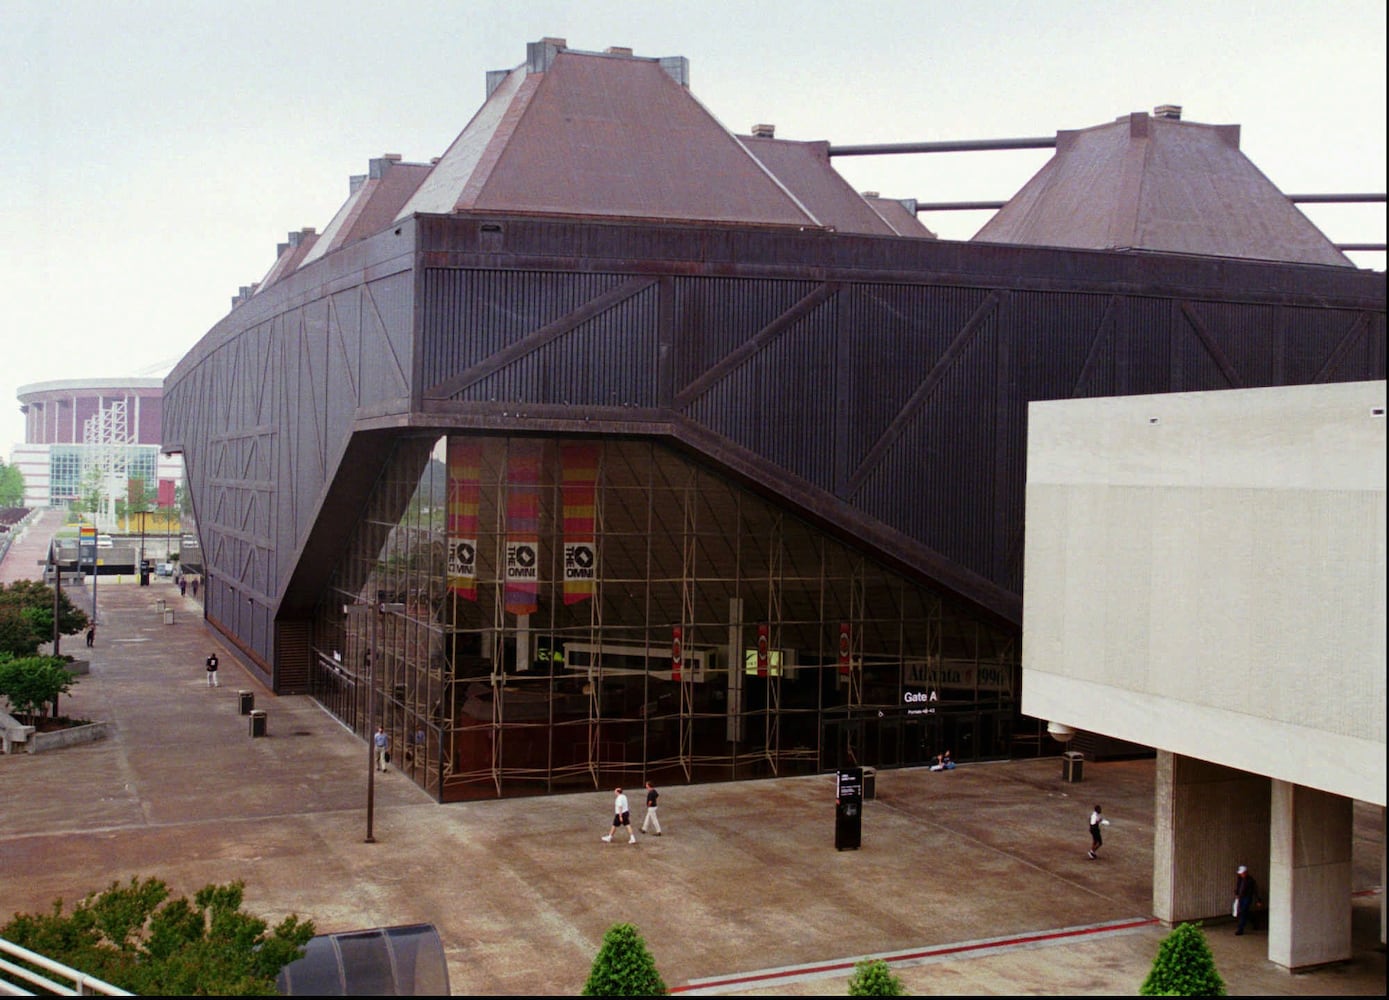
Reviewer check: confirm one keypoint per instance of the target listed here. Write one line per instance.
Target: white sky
(156, 152)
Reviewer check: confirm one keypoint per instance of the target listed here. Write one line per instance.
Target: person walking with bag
(382, 742)
(1246, 899)
(650, 818)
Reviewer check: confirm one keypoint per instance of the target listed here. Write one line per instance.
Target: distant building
(86, 430)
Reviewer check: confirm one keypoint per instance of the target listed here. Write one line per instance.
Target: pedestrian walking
(1246, 899)
(1097, 820)
(182, 587)
(91, 635)
(212, 681)
(622, 817)
(382, 742)
(650, 818)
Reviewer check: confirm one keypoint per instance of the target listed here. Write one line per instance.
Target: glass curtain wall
(538, 616)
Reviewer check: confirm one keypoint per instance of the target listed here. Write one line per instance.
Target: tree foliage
(1184, 967)
(139, 939)
(624, 967)
(26, 616)
(32, 683)
(873, 978)
(11, 486)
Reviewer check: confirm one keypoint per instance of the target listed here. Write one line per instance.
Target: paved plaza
(975, 881)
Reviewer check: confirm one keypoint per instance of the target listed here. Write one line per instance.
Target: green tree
(11, 486)
(139, 939)
(92, 492)
(26, 617)
(623, 967)
(873, 978)
(33, 683)
(1184, 967)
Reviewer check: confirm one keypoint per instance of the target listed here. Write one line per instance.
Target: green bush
(873, 978)
(1184, 967)
(32, 683)
(26, 616)
(623, 967)
(139, 939)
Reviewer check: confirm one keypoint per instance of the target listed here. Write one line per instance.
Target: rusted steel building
(612, 443)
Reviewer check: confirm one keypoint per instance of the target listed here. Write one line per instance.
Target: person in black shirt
(1246, 896)
(650, 818)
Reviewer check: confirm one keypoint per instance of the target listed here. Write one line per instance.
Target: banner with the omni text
(523, 527)
(465, 477)
(580, 471)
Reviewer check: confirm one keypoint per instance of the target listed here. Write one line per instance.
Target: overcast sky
(156, 152)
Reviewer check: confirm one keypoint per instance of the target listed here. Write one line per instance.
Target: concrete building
(614, 444)
(77, 429)
(1205, 575)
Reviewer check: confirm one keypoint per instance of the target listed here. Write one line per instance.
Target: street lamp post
(380, 608)
(56, 565)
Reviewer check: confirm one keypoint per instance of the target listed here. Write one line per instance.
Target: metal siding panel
(264, 406)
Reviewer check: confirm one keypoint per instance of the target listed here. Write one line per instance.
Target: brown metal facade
(873, 391)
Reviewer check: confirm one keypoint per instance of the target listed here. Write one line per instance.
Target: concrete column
(1207, 820)
(1309, 883)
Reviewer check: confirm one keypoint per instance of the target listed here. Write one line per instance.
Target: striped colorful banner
(523, 527)
(465, 484)
(579, 464)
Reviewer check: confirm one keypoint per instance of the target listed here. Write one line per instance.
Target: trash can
(159, 605)
(1072, 765)
(257, 722)
(246, 700)
(870, 782)
(168, 616)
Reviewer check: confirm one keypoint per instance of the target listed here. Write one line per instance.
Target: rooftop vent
(764, 131)
(617, 50)
(870, 194)
(1169, 111)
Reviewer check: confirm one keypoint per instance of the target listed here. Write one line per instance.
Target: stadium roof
(1157, 183)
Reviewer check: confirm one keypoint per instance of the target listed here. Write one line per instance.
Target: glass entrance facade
(528, 616)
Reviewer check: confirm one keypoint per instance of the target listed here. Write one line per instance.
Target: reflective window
(530, 616)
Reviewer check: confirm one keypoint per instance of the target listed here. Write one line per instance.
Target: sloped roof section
(372, 203)
(1157, 183)
(803, 168)
(603, 135)
(899, 214)
(289, 255)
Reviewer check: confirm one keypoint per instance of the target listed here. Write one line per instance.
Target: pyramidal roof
(1157, 183)
(615, 135)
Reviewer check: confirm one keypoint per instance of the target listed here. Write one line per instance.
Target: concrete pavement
(976, 880)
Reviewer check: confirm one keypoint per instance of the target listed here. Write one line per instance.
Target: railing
(66, 982)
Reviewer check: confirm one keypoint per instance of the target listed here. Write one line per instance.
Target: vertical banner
(762, 651)
(465, 478)
(844, 648)
(677, 652)
(579, 465)
(166, 492)
(523, 527)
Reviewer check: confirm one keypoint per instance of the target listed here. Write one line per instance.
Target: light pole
(357, 610)
(57, 568)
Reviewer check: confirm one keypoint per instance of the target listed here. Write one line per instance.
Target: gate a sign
(677, 652)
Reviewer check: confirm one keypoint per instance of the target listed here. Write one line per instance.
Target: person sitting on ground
(943, 762)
